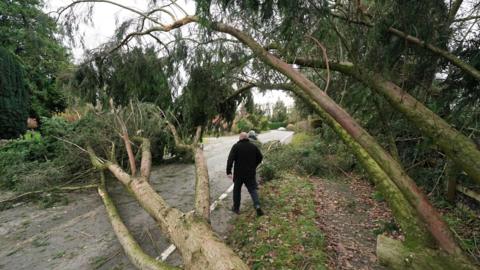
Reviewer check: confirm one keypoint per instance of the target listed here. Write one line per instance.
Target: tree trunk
(202, 185)
(451, 177)
(393, 254)
(456, 146)
(469, 69)
(199, 245)
(404, 214)
(393, 169)
(140, 259)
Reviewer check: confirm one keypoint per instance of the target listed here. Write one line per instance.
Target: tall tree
(14, 103)
(279, 112)
(34, 37)
(285, 25)
(123, 75)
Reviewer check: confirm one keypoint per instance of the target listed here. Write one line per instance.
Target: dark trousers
(251, 185)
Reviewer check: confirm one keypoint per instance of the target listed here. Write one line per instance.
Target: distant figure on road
(252, 136)
(246, 158)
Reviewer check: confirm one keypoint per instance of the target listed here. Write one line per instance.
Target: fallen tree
(461, 149)
(388, 165)
(416, 251)
(395, 255)
(133, 250)
(429, 215)
(199, 246)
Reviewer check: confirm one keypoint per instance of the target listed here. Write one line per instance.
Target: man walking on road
(246, 157)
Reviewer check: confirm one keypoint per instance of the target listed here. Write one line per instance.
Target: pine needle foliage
(14, 98)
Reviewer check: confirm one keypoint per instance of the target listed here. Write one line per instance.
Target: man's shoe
(259, 212)
(236, 211)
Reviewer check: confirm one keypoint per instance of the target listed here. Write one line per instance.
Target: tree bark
(137, 256)
(395, 255)
(193, 236)
(393, 169)
(469, 69)
(405, 215)
(456, 146)
(450, 175)
(202, 185)
(146, 161)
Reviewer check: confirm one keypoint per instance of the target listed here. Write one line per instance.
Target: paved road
(79, 236)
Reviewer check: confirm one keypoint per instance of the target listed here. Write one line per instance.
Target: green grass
(287, 236)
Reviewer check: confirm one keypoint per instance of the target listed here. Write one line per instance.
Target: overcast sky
(105, 17)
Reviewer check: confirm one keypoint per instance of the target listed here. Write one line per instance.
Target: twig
(84, 233)
(69, 142)
(31, 193)
(325, 57)
(107, 259)
(438, 180)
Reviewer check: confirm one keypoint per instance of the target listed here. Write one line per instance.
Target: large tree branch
(239, 91)
(441, 52)
(162, 28)
(144, 15)
(454, 10)
(202, 185)
(137, 256)
(146, 162)
(416, 197)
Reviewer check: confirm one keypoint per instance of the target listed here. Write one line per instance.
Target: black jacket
(246, 157)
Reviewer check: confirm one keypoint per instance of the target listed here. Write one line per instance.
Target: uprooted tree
(190, 232)
(295, 28)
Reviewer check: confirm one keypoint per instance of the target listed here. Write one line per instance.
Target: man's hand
(230, 176)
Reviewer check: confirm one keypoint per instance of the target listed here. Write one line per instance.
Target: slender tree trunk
(199, 245)
(456, 146)
(393, 169)
(472, 71)
(137, 256)
(395, 255)
(405, 215)
(451, 182)
(202, 186)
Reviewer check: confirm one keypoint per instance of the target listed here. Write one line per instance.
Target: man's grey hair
(243, 135)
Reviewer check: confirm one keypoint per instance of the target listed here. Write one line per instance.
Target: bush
(306, 154)
(51, 157)
(14, 99)
(275, 125)
(244, 125)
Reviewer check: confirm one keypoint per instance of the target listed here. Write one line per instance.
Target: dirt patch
(350, 218)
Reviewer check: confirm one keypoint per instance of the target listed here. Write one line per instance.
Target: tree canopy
(34, 37)
(14, 102)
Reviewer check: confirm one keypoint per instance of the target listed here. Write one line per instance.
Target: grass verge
(287, 237)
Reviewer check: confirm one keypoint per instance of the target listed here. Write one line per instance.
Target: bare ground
(349, 217)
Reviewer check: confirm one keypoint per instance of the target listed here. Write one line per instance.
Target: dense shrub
(243, 125)
(53, 155)
(275, 125)
(14, 99)
(306, 154)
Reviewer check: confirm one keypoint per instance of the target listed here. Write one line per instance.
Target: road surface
(79, 235)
